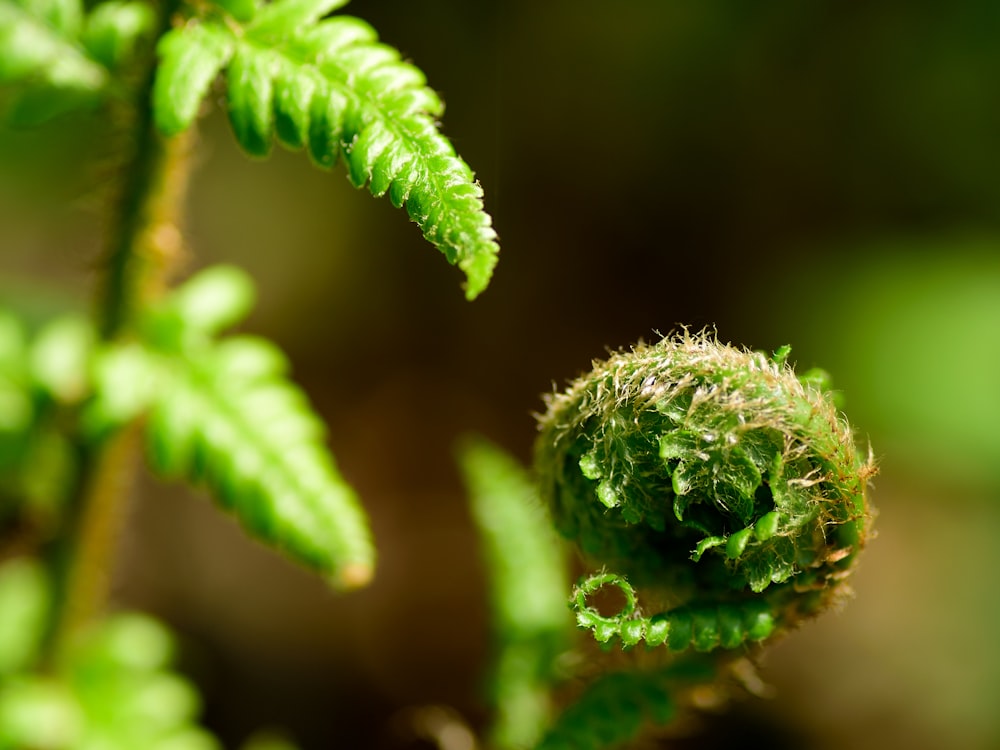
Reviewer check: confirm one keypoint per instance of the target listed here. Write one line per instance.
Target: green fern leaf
(200, 309)
(231, 421)
(332, 87)
(65, 16)
(251, 87)
(113, 687)
(241, 10)
(31, 48)
(59, 61)
(113, 28)
(279, 20)
(25, 599)
(223, 415)
(613, 710)
(374, 110)
(190, 58)
(527, 572)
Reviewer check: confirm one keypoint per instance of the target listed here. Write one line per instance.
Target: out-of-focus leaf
(24, 606)
(60, 358)
(114, 27)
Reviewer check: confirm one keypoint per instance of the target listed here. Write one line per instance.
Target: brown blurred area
(821, 174)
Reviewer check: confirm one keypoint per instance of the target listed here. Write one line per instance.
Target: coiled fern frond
(726, 488)
(330, 86)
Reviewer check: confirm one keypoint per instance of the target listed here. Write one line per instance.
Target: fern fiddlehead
(726, 488)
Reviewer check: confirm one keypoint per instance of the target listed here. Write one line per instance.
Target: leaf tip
(479, 271)
(353, 576)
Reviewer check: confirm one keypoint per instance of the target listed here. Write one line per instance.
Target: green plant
(80, 394)
(687, 449)
(694, 467)
(723, 486)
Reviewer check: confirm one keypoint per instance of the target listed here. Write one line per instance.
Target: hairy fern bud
(714, 477)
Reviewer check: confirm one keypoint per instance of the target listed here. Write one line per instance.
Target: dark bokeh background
(822, 174)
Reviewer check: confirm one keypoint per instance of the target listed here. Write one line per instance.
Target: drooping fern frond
(57, 59)
(331, 87)
(229, 420)
(223, 414)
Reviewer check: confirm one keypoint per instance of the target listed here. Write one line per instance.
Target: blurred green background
(822, 174)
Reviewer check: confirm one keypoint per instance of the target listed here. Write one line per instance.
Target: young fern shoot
(712, 475)
(713, 479)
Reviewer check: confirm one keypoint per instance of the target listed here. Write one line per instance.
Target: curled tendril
(704, 627)
(713, 478)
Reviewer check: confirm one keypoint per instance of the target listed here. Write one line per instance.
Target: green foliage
(190, 59)
(702, 627)
(42, 376)
(113, 28)
(725, 487)
(24, 601)
(58, 58)
(330, 86)
(114, 689)
(713, 474)
(230, 420)
(528, 585)
(223, 414)
(613, 710)
(215, 412)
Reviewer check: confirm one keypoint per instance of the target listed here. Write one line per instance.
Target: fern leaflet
(190, 59)
(704, 626)
(528, 581)
(332, 87)
(223, 414)
(112, 30)
(25, 601)
(231, 422)
(59, 60)
(613, 710)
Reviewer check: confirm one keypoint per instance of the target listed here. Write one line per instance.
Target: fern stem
(83, 563)
(143, 247)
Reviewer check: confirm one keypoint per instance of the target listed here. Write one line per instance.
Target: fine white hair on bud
(709, 471)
